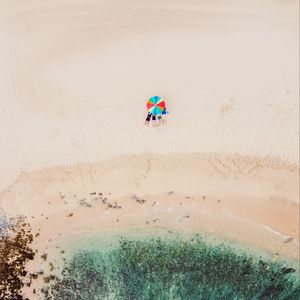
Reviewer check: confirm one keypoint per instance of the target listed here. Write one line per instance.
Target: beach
(239, 199)
(209, 194)
(76, 158)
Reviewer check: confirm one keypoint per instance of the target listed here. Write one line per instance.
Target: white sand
(75, 76)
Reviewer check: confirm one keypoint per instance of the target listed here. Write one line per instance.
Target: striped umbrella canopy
(156, 105)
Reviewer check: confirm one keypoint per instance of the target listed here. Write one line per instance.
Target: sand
(74, 80)
(240, 198)
(75, 76)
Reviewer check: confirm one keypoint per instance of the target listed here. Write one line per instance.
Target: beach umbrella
(156, 105)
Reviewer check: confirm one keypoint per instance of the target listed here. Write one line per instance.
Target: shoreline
(252, 195)
(247, 201)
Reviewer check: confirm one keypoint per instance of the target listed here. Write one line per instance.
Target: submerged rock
(168, 268)
(15, 252)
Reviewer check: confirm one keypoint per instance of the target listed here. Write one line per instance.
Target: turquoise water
(172, 268)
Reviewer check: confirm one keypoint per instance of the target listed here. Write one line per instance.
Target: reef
(15, 253)
(158, 268)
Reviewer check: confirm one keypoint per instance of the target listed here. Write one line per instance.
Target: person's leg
(148, 118)
(153, 120)
(157, 121)
(160, 120)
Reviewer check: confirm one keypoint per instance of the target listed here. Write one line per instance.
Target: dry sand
(75, 76)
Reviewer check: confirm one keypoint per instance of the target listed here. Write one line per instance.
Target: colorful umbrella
(156, 105)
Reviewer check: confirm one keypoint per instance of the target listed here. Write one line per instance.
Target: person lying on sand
(164, 116)
(153, 120)
(148, 118)
(159, 118)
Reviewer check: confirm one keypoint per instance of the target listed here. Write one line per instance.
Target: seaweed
(15, 252)
(161, 268)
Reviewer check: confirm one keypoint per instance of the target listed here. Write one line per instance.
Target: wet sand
(247, 200)
(240, 198)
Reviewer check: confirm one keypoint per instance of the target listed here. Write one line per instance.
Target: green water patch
(172, 268)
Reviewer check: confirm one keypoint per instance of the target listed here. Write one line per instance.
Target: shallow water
(170, 266)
